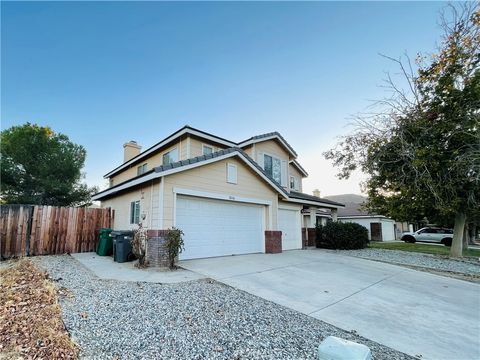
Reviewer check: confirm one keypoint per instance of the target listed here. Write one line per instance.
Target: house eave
(364, 217)
(123, 186)
(299, 167)
(316, 203)
(276, 137)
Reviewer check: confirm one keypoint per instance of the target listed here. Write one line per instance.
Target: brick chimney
(316, 193)
(130, 150)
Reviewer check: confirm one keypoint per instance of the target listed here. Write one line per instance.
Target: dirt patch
(31, 325)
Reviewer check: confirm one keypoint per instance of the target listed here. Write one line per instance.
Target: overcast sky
(104, 73)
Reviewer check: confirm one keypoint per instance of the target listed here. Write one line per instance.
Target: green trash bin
(105, 243)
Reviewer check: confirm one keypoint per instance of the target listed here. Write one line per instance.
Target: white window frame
(168, 153)
(135, 212)
(142, 169)
(232, 174)
(277, 158)
(207, 146)
(296, 183)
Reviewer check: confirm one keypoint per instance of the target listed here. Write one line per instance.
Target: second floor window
(273, 167)
(170, 157)
(294, 183)
(142, 169)
(207, 150)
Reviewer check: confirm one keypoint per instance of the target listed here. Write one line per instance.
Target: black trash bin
(122, 246)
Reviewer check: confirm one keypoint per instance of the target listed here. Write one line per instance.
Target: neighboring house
(380, 228)
(226, 197)
(321, 215)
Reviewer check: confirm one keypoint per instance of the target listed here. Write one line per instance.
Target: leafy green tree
(39, 166)
(421, 151)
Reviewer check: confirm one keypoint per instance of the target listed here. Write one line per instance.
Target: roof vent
(316, 193)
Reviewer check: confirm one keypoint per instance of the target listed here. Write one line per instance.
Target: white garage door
(219, 228)
(289, 225)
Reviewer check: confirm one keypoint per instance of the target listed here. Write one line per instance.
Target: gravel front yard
(195, 320)
(465, 266)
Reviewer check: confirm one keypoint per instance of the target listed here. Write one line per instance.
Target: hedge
(342, 236)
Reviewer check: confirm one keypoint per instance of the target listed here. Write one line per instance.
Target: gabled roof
(183, 165)
(177, 134)
(268, 136)
(202, 134)
(299, 167)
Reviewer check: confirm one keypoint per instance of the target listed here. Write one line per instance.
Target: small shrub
(174, 245)
(342, 236)
(139, 245)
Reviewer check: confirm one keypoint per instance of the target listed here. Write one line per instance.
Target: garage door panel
(219, 228)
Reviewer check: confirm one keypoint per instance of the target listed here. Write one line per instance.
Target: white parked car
(430, 234)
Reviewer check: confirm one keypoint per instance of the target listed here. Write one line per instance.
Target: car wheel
(447, 242)
(408, 239)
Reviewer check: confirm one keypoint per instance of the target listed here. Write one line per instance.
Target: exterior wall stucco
(250, 150)
(196, 146)
(147, 195)
(289, 205)
(151, 161)
(273, 148)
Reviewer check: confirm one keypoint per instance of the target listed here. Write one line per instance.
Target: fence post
(29, 229)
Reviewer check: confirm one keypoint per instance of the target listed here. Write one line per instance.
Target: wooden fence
(43, 230)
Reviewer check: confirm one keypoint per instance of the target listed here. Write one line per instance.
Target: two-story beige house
(223, 195)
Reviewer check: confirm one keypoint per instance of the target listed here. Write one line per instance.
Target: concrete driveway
(411, 311)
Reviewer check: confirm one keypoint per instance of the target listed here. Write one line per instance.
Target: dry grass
(31, 325)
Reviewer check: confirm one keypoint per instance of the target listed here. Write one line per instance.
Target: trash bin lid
(116, 233)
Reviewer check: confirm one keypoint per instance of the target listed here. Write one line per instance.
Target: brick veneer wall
(304, 237)
(273, 242)
(312, 234)
(157, 254)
